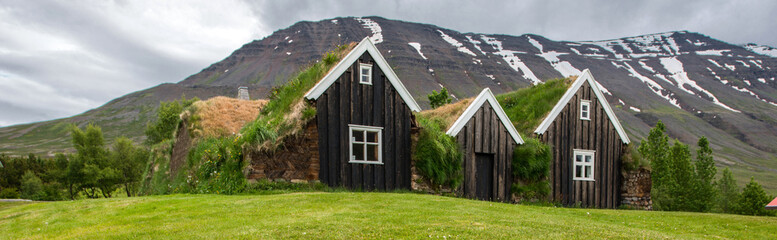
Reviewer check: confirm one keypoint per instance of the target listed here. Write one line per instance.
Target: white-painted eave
(585, 76)
(485, 96)
(366, 45)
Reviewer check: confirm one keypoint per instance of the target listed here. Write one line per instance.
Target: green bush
(168, 117)
(9, 193)
(218, 164)
(632, 160)
(438, 99)
(531, 168)
(437, 155)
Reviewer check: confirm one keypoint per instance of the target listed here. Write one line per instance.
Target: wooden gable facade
(364, 118)
(487, 138)
(587, 142)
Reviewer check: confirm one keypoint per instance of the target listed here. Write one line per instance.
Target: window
(585, 110)
(583, 165)
(365, 73)
(365, 144)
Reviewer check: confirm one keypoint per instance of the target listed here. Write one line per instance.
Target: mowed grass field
(346, 215)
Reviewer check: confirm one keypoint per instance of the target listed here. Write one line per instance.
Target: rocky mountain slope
(699, 86)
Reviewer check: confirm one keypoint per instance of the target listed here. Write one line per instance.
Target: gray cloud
(61, 58)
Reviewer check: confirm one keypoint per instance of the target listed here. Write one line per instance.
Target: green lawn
(345, 215)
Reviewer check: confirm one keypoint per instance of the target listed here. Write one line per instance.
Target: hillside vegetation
(343, 215)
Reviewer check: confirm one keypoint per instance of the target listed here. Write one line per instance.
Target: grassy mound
(221, 116)
(345, 215)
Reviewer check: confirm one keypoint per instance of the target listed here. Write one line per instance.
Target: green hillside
(345, 215)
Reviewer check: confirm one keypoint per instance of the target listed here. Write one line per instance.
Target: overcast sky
(60, 58)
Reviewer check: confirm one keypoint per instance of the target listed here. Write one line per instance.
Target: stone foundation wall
(296, 160)
(635, 191)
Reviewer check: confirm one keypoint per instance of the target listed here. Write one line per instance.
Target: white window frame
(352, 140)
(367, 66)
(587, 116)
(583, 164)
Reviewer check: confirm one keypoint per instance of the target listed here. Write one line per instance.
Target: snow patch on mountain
(654, 86)
(476, 44)
(756, 64)
(646, 67)
(455, 43)
(512, 60)
(417, 47)
(377, 31)
(730, 67)
(565, 68)
(763, 50)
(714, 62)
(675, 67)
(743, 63)
(712, 52)
(635, 109)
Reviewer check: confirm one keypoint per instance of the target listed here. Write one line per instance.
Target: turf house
(364, 117)
(587, 142)
(487, 138)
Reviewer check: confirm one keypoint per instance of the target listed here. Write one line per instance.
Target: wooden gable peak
(485, 96)
(365, 45)
(586, 76)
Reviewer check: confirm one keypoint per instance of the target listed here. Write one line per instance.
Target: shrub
(218, 164)
(632, 160)
(728, 192)
(438, 99)
(167, 120)
(9, 193)
(437, 155)
(531, 167)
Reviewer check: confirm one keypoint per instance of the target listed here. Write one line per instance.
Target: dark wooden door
(484, 176)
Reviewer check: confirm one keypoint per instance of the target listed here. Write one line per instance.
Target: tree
(654, 149)
(92, 169)
(681, 188)
(439, 99)
(704, 189)
(728, 192)
(753, 200)
(32, 186)
(129, 161)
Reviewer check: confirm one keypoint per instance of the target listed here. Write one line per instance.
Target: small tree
(129, 162)
(681, 188)
(704, 189)
(753, 200)
(32, 186)
(728, 192)
(654, 149)
(168, 116)
(438, 99)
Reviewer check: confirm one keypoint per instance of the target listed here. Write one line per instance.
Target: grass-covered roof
(525, 107)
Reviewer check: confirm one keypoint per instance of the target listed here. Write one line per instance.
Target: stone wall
(635, 191)
(295, 160)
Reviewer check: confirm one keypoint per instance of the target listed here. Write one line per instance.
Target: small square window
(365, 73)
(365, 144)
(585, 110)
(583, 165)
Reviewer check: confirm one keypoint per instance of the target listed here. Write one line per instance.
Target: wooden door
(484, 176)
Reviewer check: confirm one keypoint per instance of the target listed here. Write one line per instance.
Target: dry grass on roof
(448, 113)
(224, 116)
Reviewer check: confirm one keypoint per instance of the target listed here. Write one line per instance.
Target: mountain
(697, 85)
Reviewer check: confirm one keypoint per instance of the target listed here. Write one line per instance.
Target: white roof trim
(485, 96)
(585, 76)
(365, 45)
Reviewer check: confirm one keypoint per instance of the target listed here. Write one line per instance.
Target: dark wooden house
(364, 118)
(487, 138)
(587, 142)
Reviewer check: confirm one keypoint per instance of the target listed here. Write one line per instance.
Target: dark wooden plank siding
(567, 133)
(349, 102)
(484, 133)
